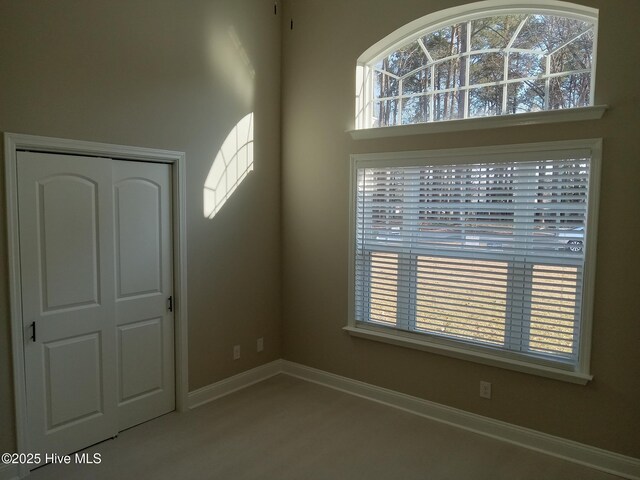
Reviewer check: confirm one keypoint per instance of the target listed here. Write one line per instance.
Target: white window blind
(489, 255)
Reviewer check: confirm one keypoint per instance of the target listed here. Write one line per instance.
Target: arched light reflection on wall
(232, 164)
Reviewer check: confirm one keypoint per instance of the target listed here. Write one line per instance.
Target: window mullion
(505, 85)
(517, 319)
(432, 80)
(547, 81)
(368, 95)
(513, 310)
(406, 297)
(577, 323)
(527, 289)
(467, 70)
(407, 287)
(400, 100)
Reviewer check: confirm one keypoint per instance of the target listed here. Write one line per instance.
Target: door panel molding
(140, 375)
(16, 142)
(87, 402)
(52, 269)
(127, 223)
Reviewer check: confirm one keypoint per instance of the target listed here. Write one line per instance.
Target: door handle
(33, 334)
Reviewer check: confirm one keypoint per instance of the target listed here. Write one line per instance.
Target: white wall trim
(465, 124)
(478, 356)
(610, 462)
(9, 472)
(14, 142)
(599, 459)
(229, 385)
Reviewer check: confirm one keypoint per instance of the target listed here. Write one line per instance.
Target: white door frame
(14, 142)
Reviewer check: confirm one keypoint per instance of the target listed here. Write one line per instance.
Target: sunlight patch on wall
(232, 164)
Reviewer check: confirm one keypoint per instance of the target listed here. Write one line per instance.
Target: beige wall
(319, 57)
(163, 74)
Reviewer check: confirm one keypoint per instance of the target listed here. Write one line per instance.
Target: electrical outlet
(485, 389)
(236, 352)
(260, 344)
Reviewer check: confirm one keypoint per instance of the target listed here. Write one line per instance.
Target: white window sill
(470, 355)
(534, 118)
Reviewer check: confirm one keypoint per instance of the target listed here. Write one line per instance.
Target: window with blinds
(482, 250)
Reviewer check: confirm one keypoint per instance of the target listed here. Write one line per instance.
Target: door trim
(14, 142)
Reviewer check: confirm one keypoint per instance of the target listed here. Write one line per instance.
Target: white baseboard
(9, 472)
(610, 462)
(229, 385)
(606, 461)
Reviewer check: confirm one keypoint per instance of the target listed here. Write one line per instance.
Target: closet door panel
(144, 283)
(66, 245)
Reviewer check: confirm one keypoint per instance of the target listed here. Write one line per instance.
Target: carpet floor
(285, 429)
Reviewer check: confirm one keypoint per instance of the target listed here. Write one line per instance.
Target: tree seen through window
(495, 65)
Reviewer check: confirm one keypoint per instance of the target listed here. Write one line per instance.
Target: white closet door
(143, 285)
(66, 245)
(96, 261)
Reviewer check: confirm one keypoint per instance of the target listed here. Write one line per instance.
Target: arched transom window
(493, 62)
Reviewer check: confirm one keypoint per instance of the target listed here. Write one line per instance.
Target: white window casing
(485, 254)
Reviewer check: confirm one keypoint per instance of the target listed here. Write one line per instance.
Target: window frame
(579, 374)
(464, 13)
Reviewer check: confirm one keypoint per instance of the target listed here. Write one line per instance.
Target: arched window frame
(365, 66)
